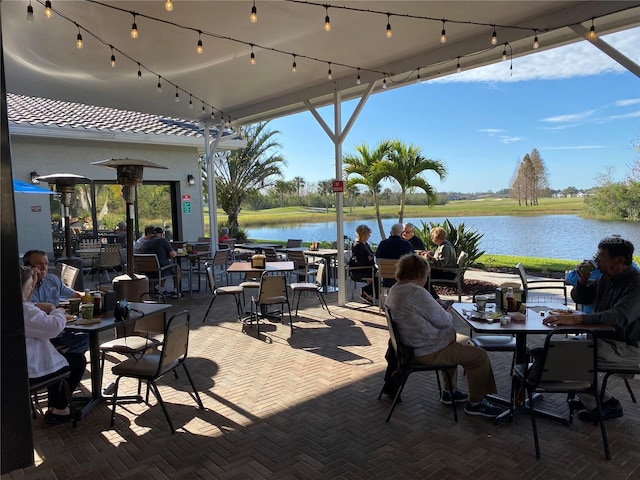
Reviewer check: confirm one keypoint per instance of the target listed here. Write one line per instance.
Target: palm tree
(405, 164)
(325, 189)
(300, 184)
(247, 170)
(366, 169)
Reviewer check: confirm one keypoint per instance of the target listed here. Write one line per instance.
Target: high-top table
(530, 324)
(328, 255)
(107, 321)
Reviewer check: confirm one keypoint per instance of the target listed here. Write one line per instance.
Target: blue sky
(579, 108)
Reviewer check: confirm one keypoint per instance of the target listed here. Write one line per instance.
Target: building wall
(68, 155)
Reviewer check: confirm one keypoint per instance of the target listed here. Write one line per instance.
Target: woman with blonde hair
(362, 256)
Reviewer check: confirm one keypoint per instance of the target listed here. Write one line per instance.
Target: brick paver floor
(306, 407)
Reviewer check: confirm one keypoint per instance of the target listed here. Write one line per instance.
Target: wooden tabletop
(243, 267)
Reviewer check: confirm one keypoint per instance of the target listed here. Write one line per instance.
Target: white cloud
(627, 102)
(570, 117)
(579, 59)
(623, 116)
(508, 139)
(491, 131)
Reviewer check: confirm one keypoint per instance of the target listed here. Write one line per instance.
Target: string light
(536, 44)
(329, 76)
(253, 56)
(443, 34)
(203, 110)
(139, 72)
(159, 87)
(504, 53)
(389, 32)
(418, 80)
(213, 115)
(113, 58)
(190, 102)
(592, 35)
(29, 12)
(177, 96)
(134, 28)
(358, 80)
(458, 68)
(494, 36)
(199, 47)
(47, 9)
(168, 5)
(78, 38)
(384, 82)
(294, 66)
(254, 13)
(327, 22)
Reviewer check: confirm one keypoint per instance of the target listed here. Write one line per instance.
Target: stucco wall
(47, 156)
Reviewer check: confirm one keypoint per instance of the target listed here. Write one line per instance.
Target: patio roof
(41, 58)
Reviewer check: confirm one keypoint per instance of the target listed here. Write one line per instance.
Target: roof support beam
(607, 49)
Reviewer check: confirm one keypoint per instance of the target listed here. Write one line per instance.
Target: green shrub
(463, 240)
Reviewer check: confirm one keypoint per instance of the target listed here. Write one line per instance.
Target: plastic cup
(74, 306)
(86, 310)
(481, 302)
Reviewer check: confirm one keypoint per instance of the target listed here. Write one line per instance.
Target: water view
(552, 236)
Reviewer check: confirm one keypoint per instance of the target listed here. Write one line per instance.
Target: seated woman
(43, 360)
(444, 256)
(424, 325)
(224, 235)
(362, 256)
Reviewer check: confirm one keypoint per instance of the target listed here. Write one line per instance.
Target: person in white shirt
(43, 360)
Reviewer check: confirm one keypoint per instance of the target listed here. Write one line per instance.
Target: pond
(550, 236)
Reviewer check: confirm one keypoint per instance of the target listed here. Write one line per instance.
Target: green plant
(462, 239)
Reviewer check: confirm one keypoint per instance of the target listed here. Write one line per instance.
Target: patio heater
(65, 185)
(129, 174)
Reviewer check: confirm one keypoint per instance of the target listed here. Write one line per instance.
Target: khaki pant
(475, 362)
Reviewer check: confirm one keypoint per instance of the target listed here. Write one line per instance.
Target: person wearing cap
(615, 298)
(159, 245)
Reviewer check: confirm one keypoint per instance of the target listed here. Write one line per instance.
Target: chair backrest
(523, 276)
(292, 243)
(404, 353)
(298, 258)
(68, 274)
(272, 286)
(152, 297)
(176, 342)
(386, 268)
(146, 262)
(270, 254)
(320, 274)
(221, 257)
(568, 358)
(211, 278)
(110, 256)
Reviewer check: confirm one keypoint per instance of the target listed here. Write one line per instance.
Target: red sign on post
(337, 186)
(186, 198)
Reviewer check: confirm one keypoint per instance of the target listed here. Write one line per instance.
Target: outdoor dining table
(529, 324)
(104, 322)
(329, 255)
(189, 261)
(257, 246)
(245, 267)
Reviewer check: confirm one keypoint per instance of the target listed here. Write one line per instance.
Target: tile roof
(46, 112)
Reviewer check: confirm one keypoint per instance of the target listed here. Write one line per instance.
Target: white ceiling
(41, 58)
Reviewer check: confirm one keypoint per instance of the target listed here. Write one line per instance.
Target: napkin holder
(258, 261)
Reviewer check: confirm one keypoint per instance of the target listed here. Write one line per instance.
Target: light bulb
(79, 41)
(458, 69)
(294, 65)
(504, 54)
(592, 35)
(113, 60)
(199, 48)
(254, 13)
(159, 87)
(327, 22)
(139, 73)
(384, 83)
(418, 80)
(177, 96)
(358, 80)
(190, 103)
(253, 58)
(29, 12)
(536, 44)
(494, 37)
(134, 30)
(168, 5)
(47, 9)
(389, 32)
(329, 76)
(443, 34)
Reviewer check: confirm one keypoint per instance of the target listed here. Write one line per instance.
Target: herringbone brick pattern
(305, 407)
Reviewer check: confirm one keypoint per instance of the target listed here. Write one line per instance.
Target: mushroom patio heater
(65, 185)
(129, 174)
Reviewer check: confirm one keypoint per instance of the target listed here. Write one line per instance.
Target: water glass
(481, 302)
